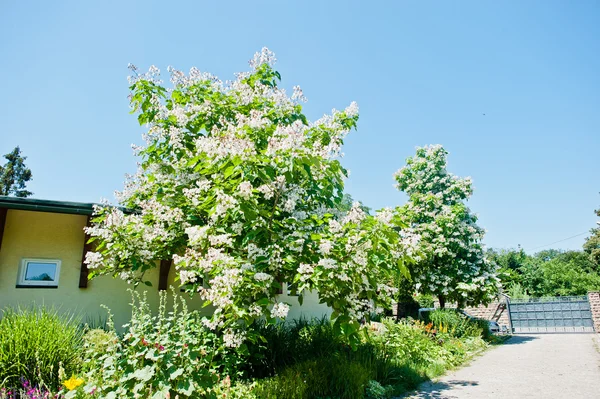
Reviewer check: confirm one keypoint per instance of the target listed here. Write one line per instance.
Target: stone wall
(594, 298)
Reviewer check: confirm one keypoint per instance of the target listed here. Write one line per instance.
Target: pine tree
(14, 175)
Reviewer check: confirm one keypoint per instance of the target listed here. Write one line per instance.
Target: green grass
(34, 342)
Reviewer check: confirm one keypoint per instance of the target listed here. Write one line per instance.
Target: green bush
(455, 324)
(425, 300)
(169, 353)
(483, 326)
(406, 343)
(377, 391)
(34, 342)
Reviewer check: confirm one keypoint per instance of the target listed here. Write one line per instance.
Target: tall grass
(34, 342)
(306, 359)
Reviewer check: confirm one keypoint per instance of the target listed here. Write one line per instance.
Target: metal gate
(567, 314)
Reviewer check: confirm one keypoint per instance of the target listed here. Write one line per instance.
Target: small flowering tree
(453, 265)
(241, 191)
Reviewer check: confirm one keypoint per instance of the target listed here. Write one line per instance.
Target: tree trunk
(442, 300)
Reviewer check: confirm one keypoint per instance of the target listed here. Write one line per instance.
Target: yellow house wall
(45, 235)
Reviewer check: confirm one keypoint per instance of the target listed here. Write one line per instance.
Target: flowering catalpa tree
(238, 188)
(453, 264)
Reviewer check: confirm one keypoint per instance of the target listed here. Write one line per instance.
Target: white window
(39, 273)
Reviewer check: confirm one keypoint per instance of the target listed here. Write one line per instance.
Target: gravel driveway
(526, 366)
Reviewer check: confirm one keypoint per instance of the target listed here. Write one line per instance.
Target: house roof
(39, 205)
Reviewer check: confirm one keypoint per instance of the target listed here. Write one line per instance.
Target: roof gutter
(37, 205)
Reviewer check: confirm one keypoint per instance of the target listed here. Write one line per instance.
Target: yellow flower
(73, 383)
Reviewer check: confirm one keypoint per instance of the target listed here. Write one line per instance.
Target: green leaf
(162, 393)
(186, 387)
(263, 302)
(144, 374)
(176, 373)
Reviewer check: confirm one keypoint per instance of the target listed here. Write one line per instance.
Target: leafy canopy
(244, 193)
(453, 265)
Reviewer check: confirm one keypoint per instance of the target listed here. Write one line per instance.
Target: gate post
(594, 299)
(507, 304)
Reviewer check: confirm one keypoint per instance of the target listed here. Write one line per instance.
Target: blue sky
(422, 73)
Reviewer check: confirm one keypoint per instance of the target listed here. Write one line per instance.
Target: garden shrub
(34, 342)
(377, 391)
(455, 324)
(425, 300)
(169, 353)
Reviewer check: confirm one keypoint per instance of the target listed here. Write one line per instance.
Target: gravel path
(532, 366)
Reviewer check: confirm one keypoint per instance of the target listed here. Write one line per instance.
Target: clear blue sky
(422, 72)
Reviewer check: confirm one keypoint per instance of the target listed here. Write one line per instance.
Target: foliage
(285, 344)
(425, 300)
(455, 324)
(547, 273)
(592, 245)
(510, 264)
(517, 291)
(34, 342)
(242, 192)
(170, 353)
(14, 175)
(565, 278)
(377, 391)
(453, 266)
(347, 202)
(395, 357)
(327, 377)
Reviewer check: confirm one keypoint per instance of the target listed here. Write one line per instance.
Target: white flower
(265, 56)
(263, 277)
(325, 247)
(327, 263)
(267, 191)
(355, 215)
(186, 276)
(93, 260)
(280, 310)
(196, 234)
(385, 215)
(245, 189)
(352, 109)
(233, 339)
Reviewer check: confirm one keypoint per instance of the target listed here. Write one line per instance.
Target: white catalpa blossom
(280, 310)
(93, 260)
(325, 247)
(233, 339)
(245, 189)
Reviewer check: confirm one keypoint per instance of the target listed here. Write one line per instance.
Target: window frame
(22, 283)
